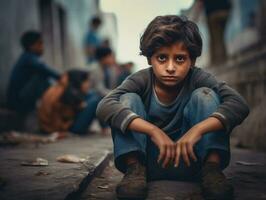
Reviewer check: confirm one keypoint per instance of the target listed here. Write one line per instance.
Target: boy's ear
(193, 62)
(149, 61)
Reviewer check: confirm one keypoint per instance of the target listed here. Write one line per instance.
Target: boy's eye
(180, 59)
(161, 58)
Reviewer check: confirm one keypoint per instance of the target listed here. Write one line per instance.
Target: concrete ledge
(57, 180)
(95, 171)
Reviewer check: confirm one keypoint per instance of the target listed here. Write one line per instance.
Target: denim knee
(202, 103)
(204, 95)
(130, 99)
(134, 102)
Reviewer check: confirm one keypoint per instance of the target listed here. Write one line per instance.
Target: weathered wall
(78, 14)
(247, 74)
(245, 67)
(62, 22)
(15, 18)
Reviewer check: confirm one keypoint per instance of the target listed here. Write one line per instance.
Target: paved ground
(103, 186)
(248, 177)
(247, 172)
(57, 180)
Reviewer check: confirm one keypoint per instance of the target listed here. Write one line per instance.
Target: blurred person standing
(103, 76)
(92, 39)
(103, 71)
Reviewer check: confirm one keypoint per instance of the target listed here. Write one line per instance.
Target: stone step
(57, 180)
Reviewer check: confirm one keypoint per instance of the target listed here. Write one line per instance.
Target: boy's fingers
(185, 155)
(191, 152)
(167, 157)
(162, 153)
(173, 153)
(177, 155)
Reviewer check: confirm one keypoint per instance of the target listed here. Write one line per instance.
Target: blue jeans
(202, 103)
(85, 117)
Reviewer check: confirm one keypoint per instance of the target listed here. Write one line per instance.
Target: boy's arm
(112, 111)
(233, 108)
(44, 69)
(184, 146)
(165, 145)
(231, 112)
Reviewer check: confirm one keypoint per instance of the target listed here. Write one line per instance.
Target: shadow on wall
(252, 133)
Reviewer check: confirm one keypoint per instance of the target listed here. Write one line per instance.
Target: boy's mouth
(170, 78)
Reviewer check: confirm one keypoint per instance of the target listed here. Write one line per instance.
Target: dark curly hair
(73, 95)
(168, 29)
(28, 38)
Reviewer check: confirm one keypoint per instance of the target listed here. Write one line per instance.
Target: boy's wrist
(200, 129)
(208, 125)
(142, 126)
(152, 130)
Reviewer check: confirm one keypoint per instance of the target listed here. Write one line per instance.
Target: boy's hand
(184, 146)
(161, 140)
(165, 145)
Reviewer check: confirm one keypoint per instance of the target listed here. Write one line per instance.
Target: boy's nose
(170, 68)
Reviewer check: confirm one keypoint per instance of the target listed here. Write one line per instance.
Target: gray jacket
(231, 112)
(97, 79)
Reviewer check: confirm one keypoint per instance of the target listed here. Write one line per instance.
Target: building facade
(63, 24)
(243, 65)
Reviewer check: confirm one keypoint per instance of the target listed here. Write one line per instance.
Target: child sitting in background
(30, 76)
(68, 105)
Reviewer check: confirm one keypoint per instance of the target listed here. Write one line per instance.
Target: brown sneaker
(214, 184)
(133, 185)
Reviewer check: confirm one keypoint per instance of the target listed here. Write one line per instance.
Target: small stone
(42, 173)
(103, 186)
(37, 162)
(68, 158)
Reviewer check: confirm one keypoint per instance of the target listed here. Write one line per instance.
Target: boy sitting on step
(172, 120)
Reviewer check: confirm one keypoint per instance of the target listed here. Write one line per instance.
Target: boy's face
(108, 60)
(85, 86)
(171, 64)
(37, 47)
